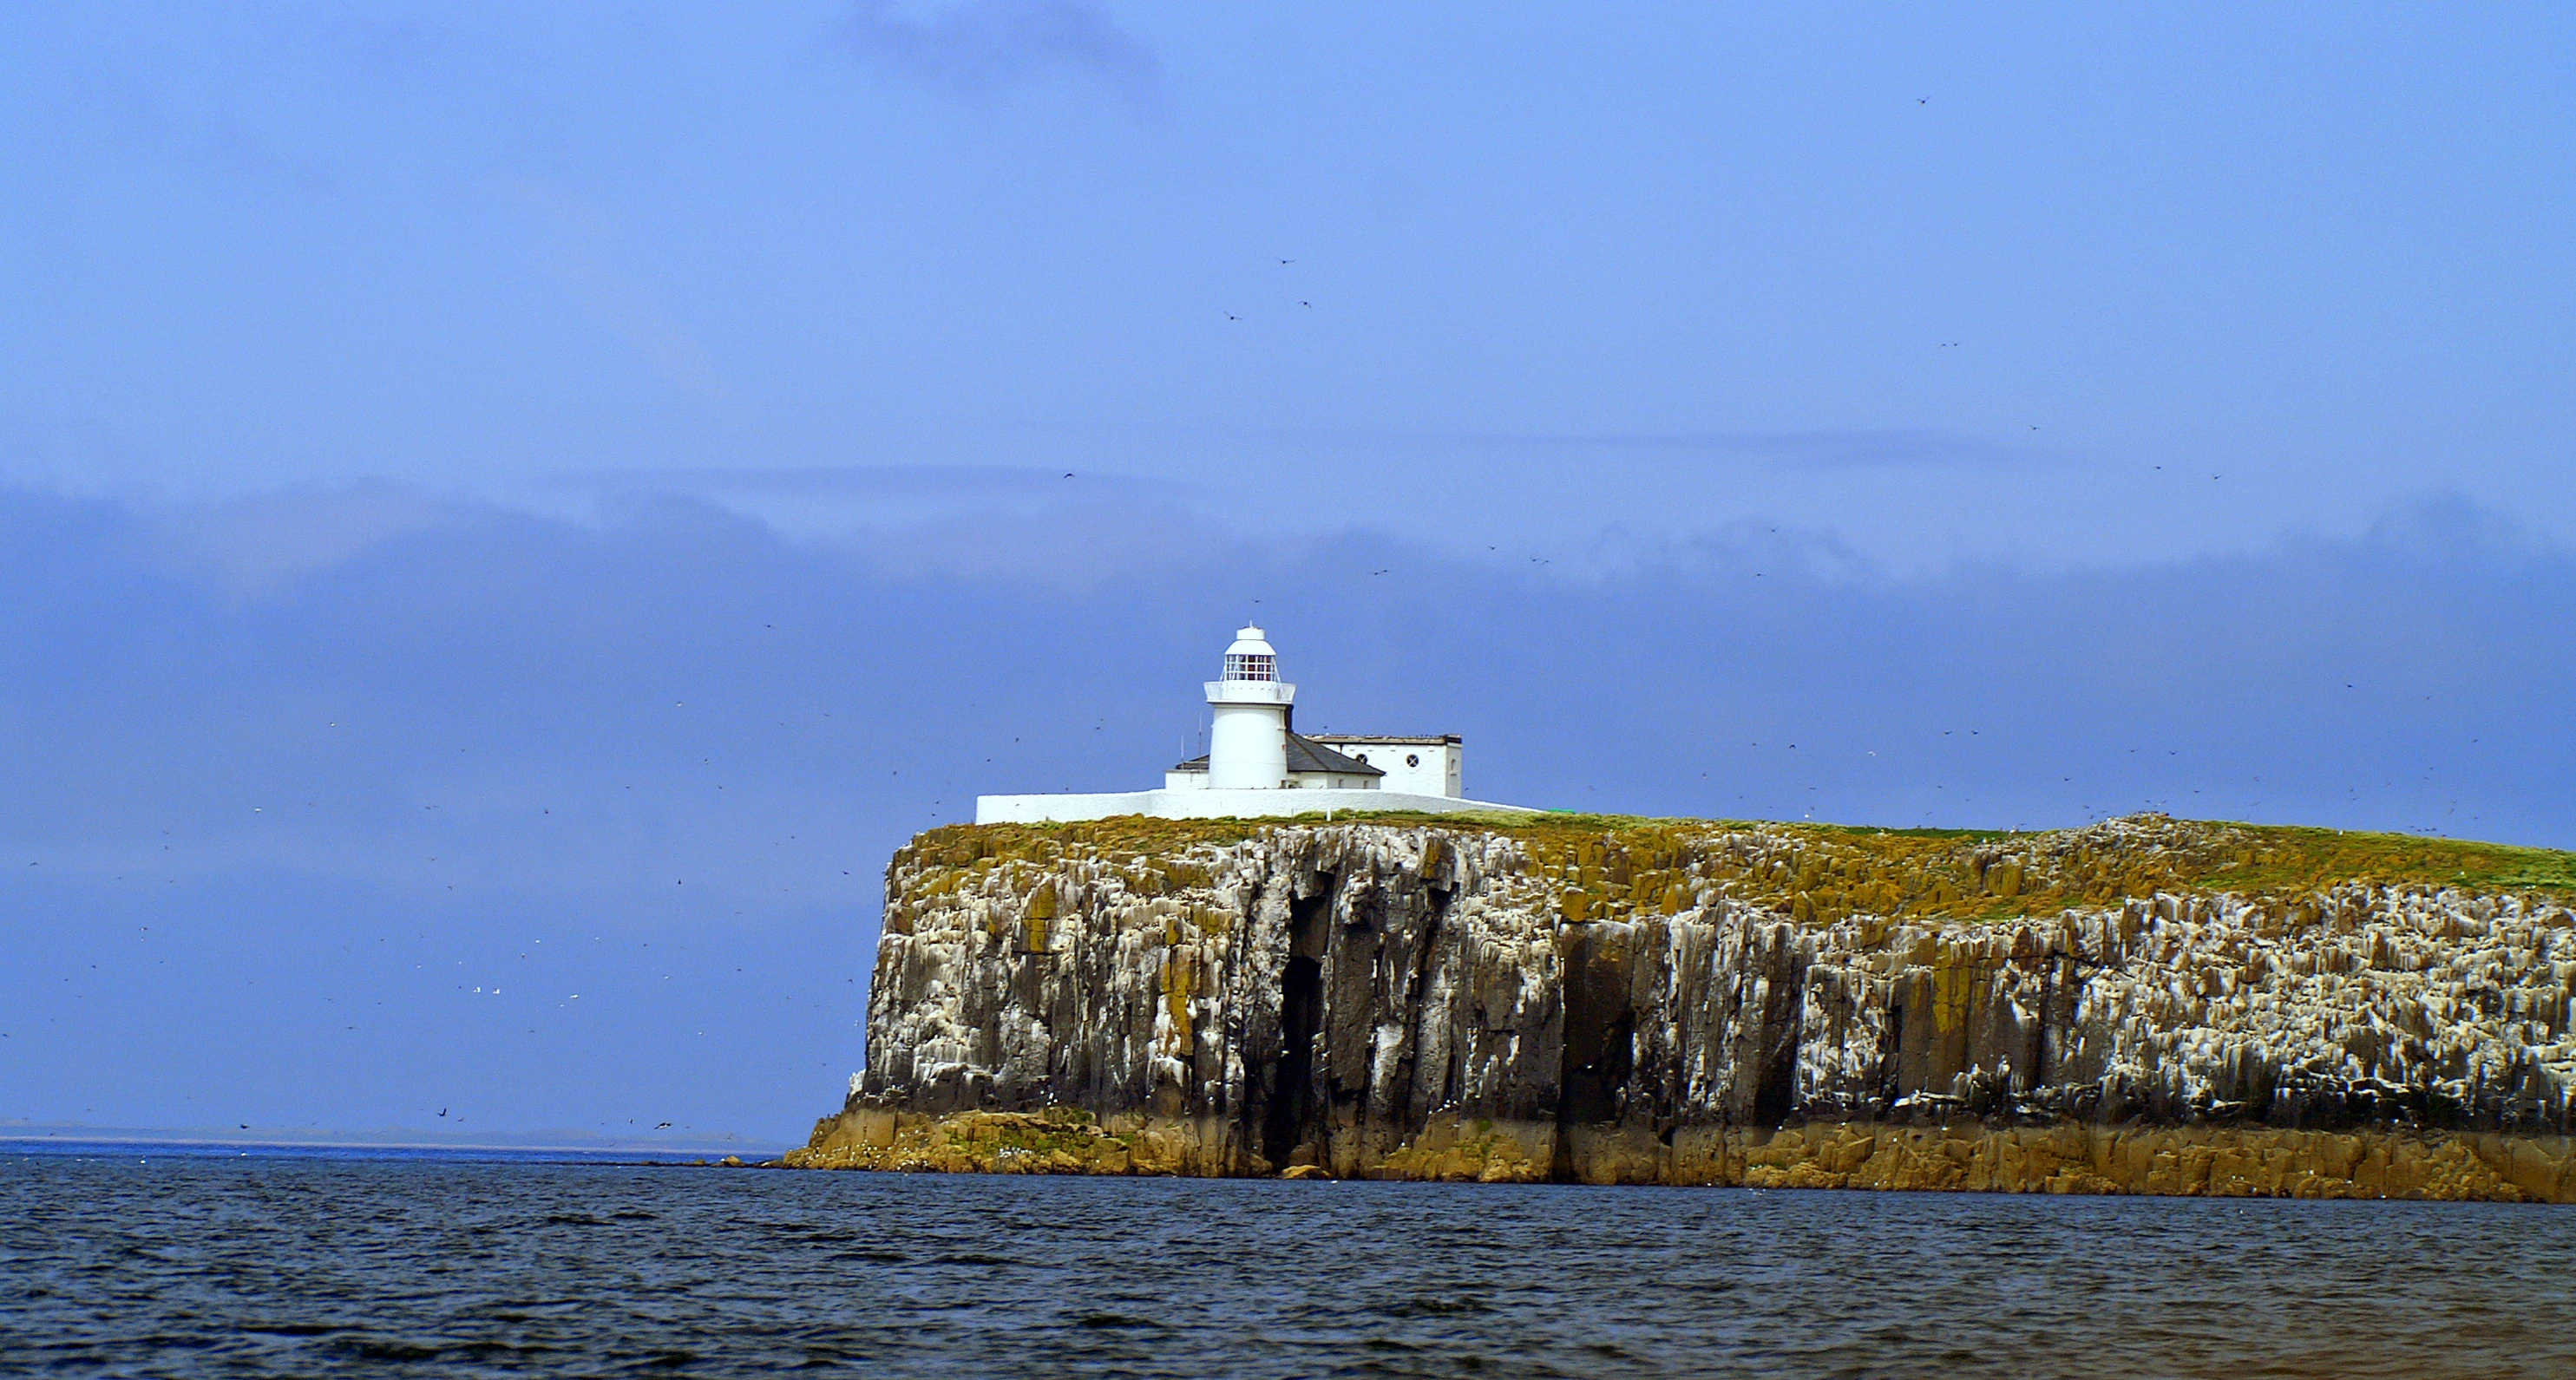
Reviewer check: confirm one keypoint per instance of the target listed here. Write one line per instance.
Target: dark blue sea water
(252, 1266)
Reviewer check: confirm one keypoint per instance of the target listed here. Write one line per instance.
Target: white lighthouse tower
(1248, 728)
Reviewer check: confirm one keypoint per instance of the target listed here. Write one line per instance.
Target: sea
(137, 1261)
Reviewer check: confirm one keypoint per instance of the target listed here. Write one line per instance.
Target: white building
(1258, 764)
(1417, 766)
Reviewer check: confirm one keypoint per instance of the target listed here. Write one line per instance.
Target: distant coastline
(28, 1137)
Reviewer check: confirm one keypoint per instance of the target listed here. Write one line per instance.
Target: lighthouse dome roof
(1250, 642)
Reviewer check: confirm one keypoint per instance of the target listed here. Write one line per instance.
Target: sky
(508, 518)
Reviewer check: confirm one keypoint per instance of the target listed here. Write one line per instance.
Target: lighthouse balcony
(1250, 692)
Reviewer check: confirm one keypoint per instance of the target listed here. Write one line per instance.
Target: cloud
(977, 521)
(617, 302)
(1885, 448)
(986, 43)
(677, 748)
(253, 542)
(971, 482)
(114, 106)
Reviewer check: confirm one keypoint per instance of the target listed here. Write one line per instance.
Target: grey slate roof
(1304, 755)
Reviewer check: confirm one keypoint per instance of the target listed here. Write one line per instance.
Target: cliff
(2145, 1005)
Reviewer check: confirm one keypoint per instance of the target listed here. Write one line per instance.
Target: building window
(1251, 666)
(1413, 759)
(1361, 758)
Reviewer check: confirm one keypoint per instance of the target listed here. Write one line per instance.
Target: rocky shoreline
(2144, 1006)
(2069, 1157)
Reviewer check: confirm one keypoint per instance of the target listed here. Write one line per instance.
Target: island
(2141, 1005)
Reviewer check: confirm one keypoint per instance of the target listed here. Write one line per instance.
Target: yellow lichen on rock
(2068, 1158)
(2220, 1162)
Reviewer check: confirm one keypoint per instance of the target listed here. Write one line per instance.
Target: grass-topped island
(2142, 1005)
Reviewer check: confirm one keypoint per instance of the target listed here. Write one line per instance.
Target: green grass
(2302, 858)
(1604, 865)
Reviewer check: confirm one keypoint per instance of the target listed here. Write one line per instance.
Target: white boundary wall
(1214, 804)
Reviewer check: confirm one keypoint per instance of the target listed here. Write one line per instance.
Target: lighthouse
(1248, 718)
(1258, 765)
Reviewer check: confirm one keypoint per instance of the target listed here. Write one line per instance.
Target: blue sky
(605, 477)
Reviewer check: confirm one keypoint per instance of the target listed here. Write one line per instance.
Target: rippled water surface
(257, 1267)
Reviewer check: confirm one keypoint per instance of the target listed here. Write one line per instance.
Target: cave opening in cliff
(1599, 1054)
(1301, 1016)
(1593, 1089)
(1777, 1091)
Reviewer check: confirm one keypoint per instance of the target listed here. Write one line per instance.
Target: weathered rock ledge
(2068, 1157)
(2145, 1006)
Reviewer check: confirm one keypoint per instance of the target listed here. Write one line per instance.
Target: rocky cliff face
(2145, 1005)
